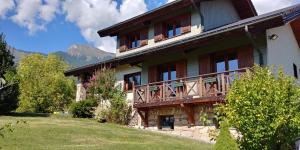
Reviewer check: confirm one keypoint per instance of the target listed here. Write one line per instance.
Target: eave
(245, 9)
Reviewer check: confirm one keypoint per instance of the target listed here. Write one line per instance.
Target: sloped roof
(268, 20)
(245, 9)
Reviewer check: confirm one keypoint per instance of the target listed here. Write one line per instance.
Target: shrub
(83, 109)
(225, 141)
(264, 106)
(119, 109)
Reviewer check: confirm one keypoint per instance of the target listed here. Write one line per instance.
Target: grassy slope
(67, 133)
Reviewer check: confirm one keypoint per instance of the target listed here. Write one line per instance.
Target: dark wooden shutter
(152, 74)
(205, 65)
(186, 23)
(181, 69)
(159, 30)
(245, 57)
(144, 37)
(123, 45)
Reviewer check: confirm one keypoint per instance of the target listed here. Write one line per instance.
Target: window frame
(126, 81)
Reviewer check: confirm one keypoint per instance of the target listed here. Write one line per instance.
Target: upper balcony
(208, 88)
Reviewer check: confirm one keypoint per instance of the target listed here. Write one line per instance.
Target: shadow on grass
(15, 114)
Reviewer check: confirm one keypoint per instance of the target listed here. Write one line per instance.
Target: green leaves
(43, 86)
(264, 107)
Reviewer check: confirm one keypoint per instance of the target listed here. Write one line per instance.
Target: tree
(112, 102)
(225, 141)
(9, 92)
(43, 86)
(265, 108)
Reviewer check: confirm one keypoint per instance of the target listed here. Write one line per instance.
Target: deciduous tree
(43, 86)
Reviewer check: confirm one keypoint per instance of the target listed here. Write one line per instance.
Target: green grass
(74, 134)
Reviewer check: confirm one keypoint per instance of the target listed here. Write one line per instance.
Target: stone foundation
(181, 125)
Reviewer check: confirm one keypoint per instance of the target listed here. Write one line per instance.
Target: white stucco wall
(124, 70)
(284, 51)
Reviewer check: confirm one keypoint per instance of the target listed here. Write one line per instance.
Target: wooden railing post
(223, 84)
(147, 93)
(200, 87)
(163, 92)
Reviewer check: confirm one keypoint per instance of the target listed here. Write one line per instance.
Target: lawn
(68, 134)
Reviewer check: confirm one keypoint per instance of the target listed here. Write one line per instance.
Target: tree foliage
(6, 57)
(225, 141)
(9, 93)
(112, 102)
(265, 108)
(43, 86)
(83, 109)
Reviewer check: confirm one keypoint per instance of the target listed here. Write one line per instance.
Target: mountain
(76, 55)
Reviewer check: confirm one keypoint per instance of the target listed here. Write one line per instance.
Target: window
(132, 79)
(134, 41)
(168, 72)
(173, 28)
(295, 71)
(166, 122)
(226, 62)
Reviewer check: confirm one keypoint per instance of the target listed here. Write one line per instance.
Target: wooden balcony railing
(208, 85)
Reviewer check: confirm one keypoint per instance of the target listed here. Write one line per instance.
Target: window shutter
(205, 66)
(245, 57)
(181, 69)
(144, 37)
(186, 23)
(123, 45)
(152, 74)
(159, 30)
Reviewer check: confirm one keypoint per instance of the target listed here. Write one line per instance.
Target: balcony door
(226, 62)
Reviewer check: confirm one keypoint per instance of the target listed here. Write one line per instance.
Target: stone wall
(181, 118)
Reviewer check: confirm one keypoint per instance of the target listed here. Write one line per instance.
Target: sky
(54, 25)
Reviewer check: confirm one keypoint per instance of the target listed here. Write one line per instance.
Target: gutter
(250, 37)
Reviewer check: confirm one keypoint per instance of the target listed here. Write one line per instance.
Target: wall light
(273, 37)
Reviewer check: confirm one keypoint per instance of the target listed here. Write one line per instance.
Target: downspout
(257, 49)
(198, 8)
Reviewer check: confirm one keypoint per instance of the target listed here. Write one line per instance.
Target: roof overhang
(245, 9)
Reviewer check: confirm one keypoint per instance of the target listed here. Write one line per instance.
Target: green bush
(264, 106)
(225, 141)
(83, 109)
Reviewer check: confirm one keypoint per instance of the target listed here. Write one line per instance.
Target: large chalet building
(180, 59)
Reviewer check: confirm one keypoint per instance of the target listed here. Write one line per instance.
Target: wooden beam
(189, 110)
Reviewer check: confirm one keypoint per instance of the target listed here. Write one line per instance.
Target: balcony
(208, 88)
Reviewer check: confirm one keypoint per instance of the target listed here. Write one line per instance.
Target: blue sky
(55, 25)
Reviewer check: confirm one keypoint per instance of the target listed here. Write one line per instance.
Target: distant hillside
(76, 56)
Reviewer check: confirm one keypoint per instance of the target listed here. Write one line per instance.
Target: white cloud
(264, 6)
(5, 6)
(47, 11)
(34, 14)
(169, 1)
(93, 15)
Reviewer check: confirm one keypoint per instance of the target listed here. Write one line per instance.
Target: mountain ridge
(76, 55)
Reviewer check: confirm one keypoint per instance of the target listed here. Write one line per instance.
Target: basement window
(166, 122)
(295, 71)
